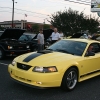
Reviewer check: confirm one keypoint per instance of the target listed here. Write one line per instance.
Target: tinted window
(96, 47)
(23, 38)
(1, 33)
(69, 46)
(27, 37)
(30, 37)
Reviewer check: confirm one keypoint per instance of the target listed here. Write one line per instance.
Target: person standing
(61, 34)
(55, 36)
(85, 36)
(40, 38)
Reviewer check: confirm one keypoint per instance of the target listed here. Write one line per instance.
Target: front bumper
(16, 52)
(34, 79)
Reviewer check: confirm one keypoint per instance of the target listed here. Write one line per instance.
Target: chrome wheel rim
(71, 79)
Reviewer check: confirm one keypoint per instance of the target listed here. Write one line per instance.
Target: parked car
(62, 64)
(96, 36)
(31, 39)
(9, 44)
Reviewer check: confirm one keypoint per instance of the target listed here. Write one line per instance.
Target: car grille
(23, 66)
(20, 47)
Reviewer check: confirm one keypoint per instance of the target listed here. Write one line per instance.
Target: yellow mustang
(63, 64)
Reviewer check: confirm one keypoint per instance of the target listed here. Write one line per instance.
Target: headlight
(45, 69)
(10, 47)
(27, 46)
(13, 63)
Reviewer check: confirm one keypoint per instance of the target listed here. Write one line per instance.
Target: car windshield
(1, 33)
(69, 46)
(31, 36)
(27, 37)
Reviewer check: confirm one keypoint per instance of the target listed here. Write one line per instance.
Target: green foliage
(1, 28)
(46, 26)
(70, 21)
(35, 28)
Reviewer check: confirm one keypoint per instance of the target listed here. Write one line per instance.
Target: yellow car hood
(39, 59)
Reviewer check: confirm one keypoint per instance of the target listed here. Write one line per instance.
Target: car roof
(83, 40)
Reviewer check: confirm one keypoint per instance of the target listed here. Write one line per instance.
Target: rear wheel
(2, 55)
(69, 80)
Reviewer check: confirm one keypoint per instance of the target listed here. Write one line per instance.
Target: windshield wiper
(64, 51)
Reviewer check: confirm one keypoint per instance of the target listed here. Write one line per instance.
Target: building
(17, 24)
(22, 24)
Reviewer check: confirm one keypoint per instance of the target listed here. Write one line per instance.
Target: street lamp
(13, 14)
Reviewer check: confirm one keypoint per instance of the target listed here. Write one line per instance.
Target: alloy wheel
(71, 79)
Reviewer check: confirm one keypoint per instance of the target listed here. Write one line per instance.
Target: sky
(40, 10)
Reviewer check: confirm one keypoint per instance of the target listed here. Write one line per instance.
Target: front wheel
(69, 80)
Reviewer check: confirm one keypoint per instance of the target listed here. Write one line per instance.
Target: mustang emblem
(23, 66)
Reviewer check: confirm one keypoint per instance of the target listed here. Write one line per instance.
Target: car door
(91, 64)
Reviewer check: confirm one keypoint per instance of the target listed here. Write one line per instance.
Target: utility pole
(13, 15)
(44, 21)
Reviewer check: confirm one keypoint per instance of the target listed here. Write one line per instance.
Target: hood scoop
(45, 51)
(34, 55)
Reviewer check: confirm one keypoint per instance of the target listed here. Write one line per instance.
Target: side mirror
(90, 54)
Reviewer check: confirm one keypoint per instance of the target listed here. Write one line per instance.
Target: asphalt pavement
(10, 90)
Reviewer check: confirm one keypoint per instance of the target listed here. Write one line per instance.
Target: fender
(69, 66)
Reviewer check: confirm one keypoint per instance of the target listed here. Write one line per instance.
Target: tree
(70, 21)
(1, 28)
(46, 26)
(35, 28)
(92, 24)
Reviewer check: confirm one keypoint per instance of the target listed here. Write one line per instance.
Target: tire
(70, 79)
(2, 55)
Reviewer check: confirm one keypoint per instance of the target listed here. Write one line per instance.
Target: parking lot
(9, 90)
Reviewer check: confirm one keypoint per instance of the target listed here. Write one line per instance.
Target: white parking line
(4, 64)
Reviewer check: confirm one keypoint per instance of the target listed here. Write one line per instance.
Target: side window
(96, 47)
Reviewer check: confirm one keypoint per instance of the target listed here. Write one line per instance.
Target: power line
(83, 1)
(24, 10)
(41, 13)
(45, 14)
(77, 2)
(27, 10)
(22, 14)
(64, 3)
